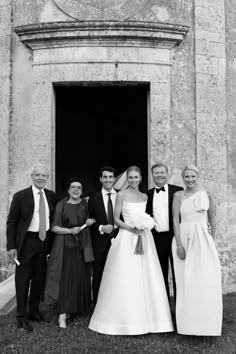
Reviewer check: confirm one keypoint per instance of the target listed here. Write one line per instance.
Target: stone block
(207, 65)
(5, 45)
(210, 24)
(210, 49)
(218, 37)
(5, 3)
(5, 20)
(205, 12)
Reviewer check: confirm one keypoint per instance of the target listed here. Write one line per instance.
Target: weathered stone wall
(183, 123)
(5, 118)
(230, 254)
(37, 11)
(192, 94)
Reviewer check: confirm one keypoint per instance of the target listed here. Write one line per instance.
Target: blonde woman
(196, 263)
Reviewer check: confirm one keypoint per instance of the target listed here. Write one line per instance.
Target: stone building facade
(182, 53)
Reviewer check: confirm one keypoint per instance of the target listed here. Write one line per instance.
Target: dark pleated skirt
(75, 285)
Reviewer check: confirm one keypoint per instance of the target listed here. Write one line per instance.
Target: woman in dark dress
(68, 276)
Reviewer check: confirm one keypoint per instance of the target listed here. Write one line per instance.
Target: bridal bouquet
(141, 221)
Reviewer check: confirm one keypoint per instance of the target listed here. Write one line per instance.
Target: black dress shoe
(23, 323)
(37, 317)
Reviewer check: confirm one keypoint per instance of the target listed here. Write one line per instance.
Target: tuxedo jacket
(149, 207)
(97, 211)
(20, 216)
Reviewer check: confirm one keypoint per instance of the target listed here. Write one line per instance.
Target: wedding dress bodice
(131, 210)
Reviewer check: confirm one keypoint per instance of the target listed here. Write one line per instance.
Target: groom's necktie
(160, 189)
(110, 216)
(42, 217)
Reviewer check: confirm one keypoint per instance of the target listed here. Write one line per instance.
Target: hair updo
(133, 168)
(190, 167)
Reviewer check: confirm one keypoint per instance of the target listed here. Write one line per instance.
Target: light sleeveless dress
(198, 277)
(132, 296)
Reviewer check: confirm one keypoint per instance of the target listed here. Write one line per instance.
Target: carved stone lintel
(79, 33)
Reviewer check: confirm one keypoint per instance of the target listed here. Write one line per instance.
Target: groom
(101, 207)
(159, 206)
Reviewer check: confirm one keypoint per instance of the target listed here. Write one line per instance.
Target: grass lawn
(77, 338)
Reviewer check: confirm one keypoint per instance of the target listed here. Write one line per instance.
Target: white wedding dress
(132, 297)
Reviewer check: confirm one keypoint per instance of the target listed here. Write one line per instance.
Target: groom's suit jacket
(149, 207)
(101, 242)
(97, 211)
(20, 216)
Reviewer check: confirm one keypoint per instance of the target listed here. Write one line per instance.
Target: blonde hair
(190, 167)
(133, 168)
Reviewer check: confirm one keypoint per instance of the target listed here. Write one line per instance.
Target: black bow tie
(160, 189)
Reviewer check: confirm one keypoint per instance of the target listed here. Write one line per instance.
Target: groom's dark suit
(163, 240)
(101, 242)
(31, 251)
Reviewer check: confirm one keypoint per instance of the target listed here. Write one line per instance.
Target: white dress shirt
(34, 225)
(161, 209)
(105, 201)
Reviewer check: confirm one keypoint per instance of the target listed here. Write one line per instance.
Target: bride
(132, 297)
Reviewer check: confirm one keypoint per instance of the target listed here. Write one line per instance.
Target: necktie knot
(160, 189)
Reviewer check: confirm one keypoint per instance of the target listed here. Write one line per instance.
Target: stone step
(7, 295)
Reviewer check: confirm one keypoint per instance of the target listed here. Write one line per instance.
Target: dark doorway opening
(100, 125)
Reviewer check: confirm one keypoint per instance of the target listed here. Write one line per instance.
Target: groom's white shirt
(105, 197)
(105, 201)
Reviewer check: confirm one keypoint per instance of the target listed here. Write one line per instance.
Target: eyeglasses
(75, 187)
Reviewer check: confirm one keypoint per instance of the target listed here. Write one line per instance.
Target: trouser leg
(161, 242)
(38, 278)
(173, 275)
(22, 282)
(98, 267)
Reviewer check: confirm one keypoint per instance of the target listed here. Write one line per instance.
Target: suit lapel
(150, 201)
(102, 206)
(29, 200)
(50, 206)
(170, 197)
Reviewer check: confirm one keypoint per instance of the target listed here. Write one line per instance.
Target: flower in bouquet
(142, 221)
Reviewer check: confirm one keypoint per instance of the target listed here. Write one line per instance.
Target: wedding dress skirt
(132, 297)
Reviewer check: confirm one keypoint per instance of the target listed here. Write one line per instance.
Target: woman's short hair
(74, 179)
(160, 164)
(133, 168)
(190, 167)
